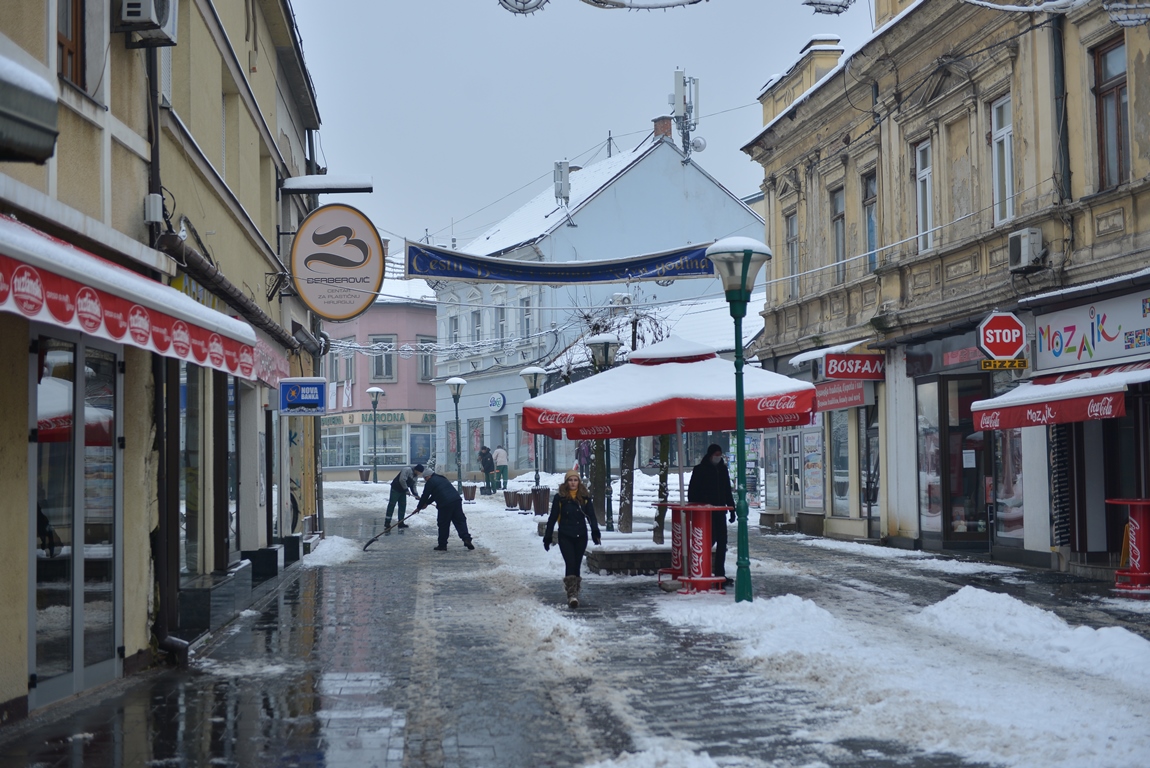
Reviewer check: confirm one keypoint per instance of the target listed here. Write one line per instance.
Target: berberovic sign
(337, 262)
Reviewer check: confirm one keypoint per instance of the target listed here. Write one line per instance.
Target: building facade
(963, 160)
(391, 347)
(136, 259)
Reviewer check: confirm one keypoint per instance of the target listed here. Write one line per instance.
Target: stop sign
(1002, 336)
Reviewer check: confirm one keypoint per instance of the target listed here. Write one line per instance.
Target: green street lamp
(533, 377)
(737, 262)
(374, 392)
(603, 348)
(456, 385)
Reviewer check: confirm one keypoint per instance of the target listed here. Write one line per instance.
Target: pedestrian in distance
(572, 512)
(500, 457)
(711, 484)
(402, 484)
(439, 491)
(487, 463)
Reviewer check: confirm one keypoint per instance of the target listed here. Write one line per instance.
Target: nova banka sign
(431, 263)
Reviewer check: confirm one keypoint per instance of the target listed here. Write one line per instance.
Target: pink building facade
(389, 347)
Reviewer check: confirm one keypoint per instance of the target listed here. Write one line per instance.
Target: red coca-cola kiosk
(691, 548)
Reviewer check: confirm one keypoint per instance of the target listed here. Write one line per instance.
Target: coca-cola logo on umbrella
(28, 290)
(779, 403)
(548, 417)
(89, 309)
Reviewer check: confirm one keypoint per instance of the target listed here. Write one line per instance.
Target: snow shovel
(375, 538)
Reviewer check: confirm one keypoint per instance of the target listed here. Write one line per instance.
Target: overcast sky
(458, 109)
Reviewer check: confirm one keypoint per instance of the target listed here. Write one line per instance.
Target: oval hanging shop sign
(337, 262)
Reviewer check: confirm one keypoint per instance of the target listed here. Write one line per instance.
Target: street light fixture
(533, 378)
(603, 348)
(737, 262)
(456, 384)
(374, 392)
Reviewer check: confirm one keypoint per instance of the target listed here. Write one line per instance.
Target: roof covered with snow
(542, 213)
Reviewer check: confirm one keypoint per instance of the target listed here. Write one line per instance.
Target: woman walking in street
(573, 511)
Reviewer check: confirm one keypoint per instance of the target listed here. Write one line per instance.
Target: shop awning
(51, 281)
(1098, 393)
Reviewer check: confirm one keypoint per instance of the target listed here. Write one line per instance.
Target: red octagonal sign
(1002, 336)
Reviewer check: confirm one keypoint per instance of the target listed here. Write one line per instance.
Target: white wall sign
(496, 402)
(1094, 333)
(337, 262)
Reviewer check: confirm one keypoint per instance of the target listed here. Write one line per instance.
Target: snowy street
(849, 655)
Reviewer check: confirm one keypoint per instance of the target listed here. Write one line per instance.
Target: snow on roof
(323, 183)
(826, 78)
(22, 77)
(672, 348)
(542, 214)
(1084, 288)
(819, 354)
(709, 322)
(1032, 393)
(396, 290)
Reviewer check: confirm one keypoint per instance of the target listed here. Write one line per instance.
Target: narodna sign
(337, 262)
(1001, 336)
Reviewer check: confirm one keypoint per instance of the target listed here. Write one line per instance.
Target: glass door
(74, 628)
(791, 464)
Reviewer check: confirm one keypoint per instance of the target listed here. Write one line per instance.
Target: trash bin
(469, 493)
(365, 475)
(542, 498)
(511, 499)
(524, 501)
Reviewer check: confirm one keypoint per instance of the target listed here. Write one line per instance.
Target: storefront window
(839, 422)
(771, 474)
(340, 447)
(387, 442)
(929, 482)
(1008, 492)
(813, 480)
(422, 440)
(191, 462)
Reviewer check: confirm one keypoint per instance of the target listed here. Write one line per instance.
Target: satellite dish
(698, 144)
(522, 6)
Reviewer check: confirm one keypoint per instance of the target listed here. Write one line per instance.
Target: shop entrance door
(75, 586)
(791, 466)
(953, 467)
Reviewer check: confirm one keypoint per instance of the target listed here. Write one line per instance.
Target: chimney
(662, 126)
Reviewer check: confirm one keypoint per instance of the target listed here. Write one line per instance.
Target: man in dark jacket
(487, 464)
(439, 491)
(711, 484)
(402, 484)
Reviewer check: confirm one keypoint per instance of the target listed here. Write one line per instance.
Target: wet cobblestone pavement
(395, 660)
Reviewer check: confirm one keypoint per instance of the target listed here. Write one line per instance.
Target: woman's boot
(570, 585)
(578, 586)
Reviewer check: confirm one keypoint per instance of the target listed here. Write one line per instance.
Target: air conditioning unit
(153, 20)
(1025, 251)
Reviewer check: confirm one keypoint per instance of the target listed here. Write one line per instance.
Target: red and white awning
(1097, 393)
(51, 281)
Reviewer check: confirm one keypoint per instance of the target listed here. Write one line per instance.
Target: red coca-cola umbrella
(672, 386)
(54, 415)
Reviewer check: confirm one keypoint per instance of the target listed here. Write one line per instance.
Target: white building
(648, 200)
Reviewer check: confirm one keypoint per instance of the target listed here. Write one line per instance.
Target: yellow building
(141, 264)
(963, 160)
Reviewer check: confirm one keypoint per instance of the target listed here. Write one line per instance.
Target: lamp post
(456, 384)
(533, 377)
(603, 348)
(737, 262)
(374, 392)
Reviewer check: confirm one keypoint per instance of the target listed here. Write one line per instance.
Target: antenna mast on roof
(562, 178)
(684, 110)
